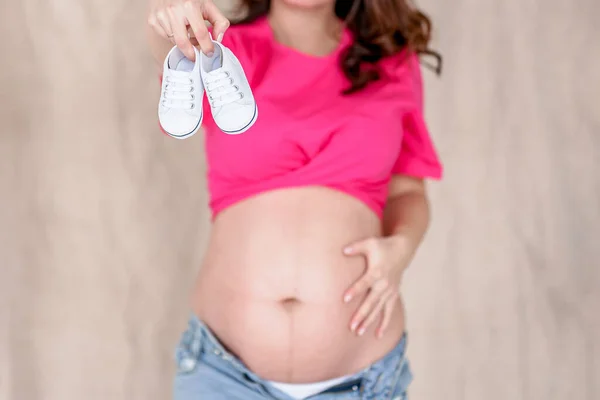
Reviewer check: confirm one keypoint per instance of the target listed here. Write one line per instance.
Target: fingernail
(353, 326)
(348, 250)
(220, 37)
(210, 54)
(361, 332)
(347, 298)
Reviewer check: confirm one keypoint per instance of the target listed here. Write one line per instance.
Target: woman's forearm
(407, 216)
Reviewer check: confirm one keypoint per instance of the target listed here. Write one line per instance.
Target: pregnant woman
(317, 209)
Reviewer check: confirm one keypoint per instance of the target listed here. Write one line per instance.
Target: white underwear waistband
(300, 391)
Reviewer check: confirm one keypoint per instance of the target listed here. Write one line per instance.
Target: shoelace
(220, 88)
(179, 93)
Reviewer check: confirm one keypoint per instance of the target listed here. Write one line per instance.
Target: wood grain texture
(104, 219)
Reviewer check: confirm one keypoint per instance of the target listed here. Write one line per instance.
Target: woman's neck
(315, 31)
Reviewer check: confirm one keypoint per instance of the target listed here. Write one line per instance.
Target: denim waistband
(203, 342)
(200, 343)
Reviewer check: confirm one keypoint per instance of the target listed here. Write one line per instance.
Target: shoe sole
(248, 126)
(185, 135)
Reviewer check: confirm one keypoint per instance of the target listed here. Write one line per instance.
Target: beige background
(103, 219)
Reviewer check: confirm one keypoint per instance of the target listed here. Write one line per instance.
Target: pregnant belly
(272, 285)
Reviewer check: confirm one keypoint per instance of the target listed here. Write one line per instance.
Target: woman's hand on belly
(387, 258)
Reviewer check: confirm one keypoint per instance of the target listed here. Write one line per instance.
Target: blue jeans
(206, 371)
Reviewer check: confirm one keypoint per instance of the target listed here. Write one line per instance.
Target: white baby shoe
(231, 100)
(180, 106)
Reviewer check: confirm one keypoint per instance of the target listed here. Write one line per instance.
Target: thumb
(361, 247)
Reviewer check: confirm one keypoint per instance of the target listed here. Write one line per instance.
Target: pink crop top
(309, 133)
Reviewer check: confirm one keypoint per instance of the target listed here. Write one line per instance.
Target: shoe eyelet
(227, 74)
(241, 95)
(193, 97)
(236, 87)
(191, 81)
(192, 106)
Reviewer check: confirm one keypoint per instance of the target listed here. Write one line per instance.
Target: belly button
(289, 303)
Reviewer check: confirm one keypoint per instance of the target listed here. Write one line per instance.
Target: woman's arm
(406, 215)
(405, 220)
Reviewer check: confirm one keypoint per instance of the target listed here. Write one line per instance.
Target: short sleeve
(418, 156)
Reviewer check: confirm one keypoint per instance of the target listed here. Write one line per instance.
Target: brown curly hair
(381, 28)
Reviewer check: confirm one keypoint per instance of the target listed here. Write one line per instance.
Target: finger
(388, 307)
(178, 23)
(194, 17)
(213, 15)
(370, 280)
(163, 21)
(154, 23)
(363, 284)
(362, 247)
(192, 37)
(373, 314)
(365, 308)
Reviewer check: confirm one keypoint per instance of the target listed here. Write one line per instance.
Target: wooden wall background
(103, 220)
